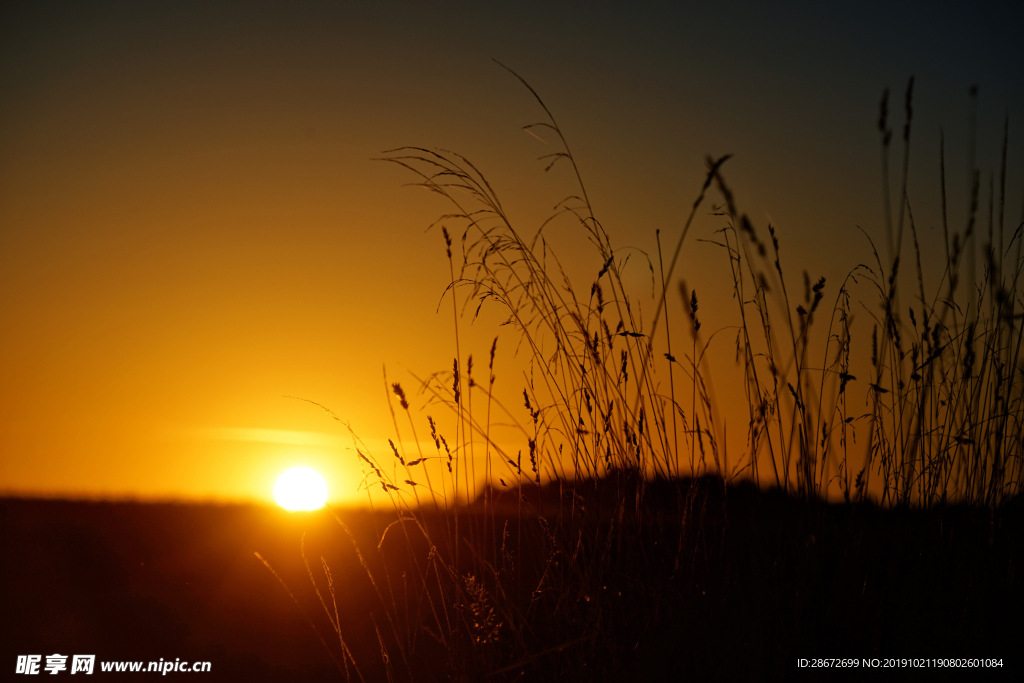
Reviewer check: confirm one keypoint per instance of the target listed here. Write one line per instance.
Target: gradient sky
(192, 228)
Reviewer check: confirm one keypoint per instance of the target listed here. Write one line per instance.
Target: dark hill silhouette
(757, 580)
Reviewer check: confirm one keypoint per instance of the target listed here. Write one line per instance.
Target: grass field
(623, 538)
(592, 552)
(760, 580)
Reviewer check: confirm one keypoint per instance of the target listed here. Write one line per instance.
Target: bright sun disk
(300, 488)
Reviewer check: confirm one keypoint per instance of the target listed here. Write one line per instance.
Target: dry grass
(567, 563)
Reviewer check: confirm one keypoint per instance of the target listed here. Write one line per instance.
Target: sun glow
(300, 488)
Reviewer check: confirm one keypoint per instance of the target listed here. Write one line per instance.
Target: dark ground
(769, 580)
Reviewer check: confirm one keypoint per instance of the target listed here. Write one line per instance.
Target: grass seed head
(400, 393)
(395, 450)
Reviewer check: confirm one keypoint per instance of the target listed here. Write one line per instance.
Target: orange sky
(192, 229)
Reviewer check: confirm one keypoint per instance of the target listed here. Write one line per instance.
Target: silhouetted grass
(608, 544)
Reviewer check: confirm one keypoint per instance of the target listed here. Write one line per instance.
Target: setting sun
(300, 488)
